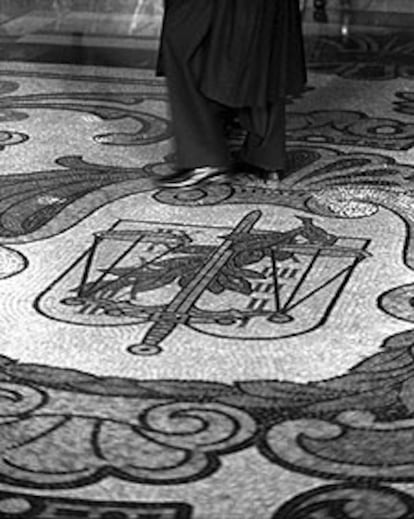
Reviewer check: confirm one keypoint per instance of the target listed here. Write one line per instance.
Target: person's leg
(197, 126)
(265, 144)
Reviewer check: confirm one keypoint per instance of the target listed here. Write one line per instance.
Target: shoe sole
(194, 181)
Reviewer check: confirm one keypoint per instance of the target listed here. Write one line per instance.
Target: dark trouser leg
(265, 144)
(198, 130)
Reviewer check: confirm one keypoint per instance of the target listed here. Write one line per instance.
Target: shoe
(192, 177)
(263, 174)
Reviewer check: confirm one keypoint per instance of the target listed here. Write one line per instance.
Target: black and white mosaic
(233, 350)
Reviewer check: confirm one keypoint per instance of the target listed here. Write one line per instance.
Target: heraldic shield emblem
(244, 283)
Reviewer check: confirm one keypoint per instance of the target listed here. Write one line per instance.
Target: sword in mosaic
(177, 311)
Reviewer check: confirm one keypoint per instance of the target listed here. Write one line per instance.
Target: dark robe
(242, 53)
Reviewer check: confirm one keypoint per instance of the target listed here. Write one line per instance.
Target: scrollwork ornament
(349, 502)
(9, 138)
(17, 400)
(189, 426)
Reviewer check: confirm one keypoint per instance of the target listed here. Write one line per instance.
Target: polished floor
(237, 351)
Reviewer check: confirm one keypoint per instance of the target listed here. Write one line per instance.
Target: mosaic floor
(239, 351)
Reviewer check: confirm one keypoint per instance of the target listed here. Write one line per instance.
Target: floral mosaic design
(376, 57)
(63, 429)
(357, 426)
(333, 428)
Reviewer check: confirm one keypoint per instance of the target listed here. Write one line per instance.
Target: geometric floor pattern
(231, 351)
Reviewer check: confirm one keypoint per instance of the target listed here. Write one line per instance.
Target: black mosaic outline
(45, 507)
(405, 103)
(333, 500)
